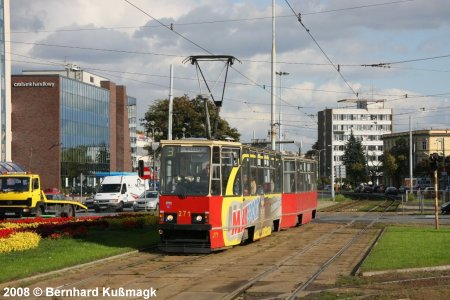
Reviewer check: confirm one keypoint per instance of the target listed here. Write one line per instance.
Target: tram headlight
(199, 219)
(167, 217)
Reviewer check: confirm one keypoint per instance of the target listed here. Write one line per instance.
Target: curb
(424, 269)
(55, 272)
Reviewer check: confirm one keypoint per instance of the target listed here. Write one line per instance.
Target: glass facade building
(85, 129)
(75, 129)
(132, 124)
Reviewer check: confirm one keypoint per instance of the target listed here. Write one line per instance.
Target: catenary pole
(169, 132)
(410, 159)
(272, 81)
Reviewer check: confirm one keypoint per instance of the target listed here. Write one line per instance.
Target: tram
(218, 194)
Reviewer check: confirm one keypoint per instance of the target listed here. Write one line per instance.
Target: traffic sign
(146, 174)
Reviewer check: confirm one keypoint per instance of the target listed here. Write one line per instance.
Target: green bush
(132, 221)
(339, 198)
(412, 197)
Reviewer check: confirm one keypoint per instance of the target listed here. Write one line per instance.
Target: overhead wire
(246, 102)
(443, 56)
(168, 27)
(337, 68)
(388, 64)
(173, 25)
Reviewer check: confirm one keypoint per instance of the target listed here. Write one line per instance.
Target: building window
(92, 79)
(424, 145)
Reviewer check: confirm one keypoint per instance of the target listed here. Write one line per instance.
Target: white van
(118, 192)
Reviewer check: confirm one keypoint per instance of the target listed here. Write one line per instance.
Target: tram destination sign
(194, 149)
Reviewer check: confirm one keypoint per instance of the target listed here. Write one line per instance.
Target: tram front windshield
(185, 170)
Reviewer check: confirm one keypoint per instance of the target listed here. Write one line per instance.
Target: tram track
(234, 273)
(240, 293)
(109, 267)
(136, 263)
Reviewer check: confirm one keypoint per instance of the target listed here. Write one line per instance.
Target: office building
(368, 120)
(67, 123)
(424, 143)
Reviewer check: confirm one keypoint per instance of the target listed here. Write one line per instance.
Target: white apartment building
(367, 119)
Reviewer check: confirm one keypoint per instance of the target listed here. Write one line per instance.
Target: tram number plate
(184, 213)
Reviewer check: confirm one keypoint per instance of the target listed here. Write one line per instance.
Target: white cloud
(349, 36)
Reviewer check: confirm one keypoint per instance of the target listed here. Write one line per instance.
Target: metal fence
(423, 201)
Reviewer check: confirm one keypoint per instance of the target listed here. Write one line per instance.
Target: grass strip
(409, 247)
(55, 254)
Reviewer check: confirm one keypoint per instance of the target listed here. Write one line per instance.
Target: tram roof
(199, 142)
(205, 142)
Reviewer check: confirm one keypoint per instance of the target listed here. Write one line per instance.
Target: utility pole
(169, 132)
(280, 135)
(436, 192)
(410, 159)
(272, 81)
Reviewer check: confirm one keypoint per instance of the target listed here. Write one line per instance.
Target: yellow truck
(21, 195)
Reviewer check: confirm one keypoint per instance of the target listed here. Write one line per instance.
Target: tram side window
(256, 173)
(278, 174)
(253, 172)
(245, 173)
(260, 180)
(300, 176)
(289, 185)
(302, 182)
(215, 179)
(308, 183)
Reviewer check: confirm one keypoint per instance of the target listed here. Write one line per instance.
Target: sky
(371, 49)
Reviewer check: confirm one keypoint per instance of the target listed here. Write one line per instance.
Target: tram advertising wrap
(217, 194)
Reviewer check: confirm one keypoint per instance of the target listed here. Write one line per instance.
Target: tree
(313, 153)
(396, 162)
(188, 115)
(354, 160)
(390, 165)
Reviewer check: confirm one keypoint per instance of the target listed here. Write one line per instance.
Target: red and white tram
(217, 194)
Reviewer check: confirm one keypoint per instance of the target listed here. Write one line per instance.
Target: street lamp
(332, 173)
(156, 131)
(280, 147)
(318, 151)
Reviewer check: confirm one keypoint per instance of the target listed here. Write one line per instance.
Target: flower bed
(11, 232)
(19, 241)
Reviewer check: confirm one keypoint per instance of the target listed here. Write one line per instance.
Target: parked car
(89, 202)
(445, 208)
(367, 189)
(378, 189)
(327, 188)
(148, 201)
(391, 190)
(359, 189)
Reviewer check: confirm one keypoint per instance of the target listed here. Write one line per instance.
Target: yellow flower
(20, 241)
